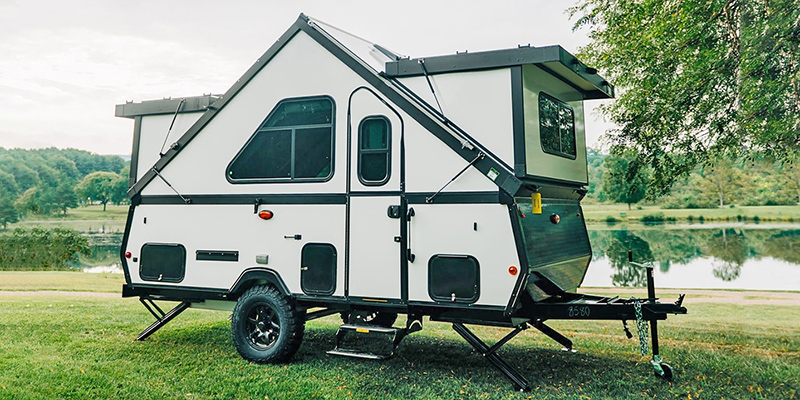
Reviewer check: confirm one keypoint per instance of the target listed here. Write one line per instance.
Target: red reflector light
(265, 214)
(555, 218)
(128, 254)
(512, 270)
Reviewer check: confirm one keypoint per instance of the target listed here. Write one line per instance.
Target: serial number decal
(579, 311)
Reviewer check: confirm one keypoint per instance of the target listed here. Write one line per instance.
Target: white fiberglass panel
(480, 230)
(374, 254)
(237, 228)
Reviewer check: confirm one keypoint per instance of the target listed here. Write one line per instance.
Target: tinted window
(374, 150)
(556, 126)
(295, 142)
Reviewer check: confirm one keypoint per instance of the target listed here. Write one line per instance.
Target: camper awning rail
(553, 58)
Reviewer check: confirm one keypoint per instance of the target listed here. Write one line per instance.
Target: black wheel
(667, 376)
(377, 318)
(265, 327)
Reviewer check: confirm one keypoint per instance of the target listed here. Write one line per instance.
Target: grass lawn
(61, 281)
(599, 212)
(55, 346)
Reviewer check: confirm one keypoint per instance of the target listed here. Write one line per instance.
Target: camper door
(375, 134)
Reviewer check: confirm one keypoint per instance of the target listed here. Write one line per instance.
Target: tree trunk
(104, 205)
(721, 200)
(629, 206)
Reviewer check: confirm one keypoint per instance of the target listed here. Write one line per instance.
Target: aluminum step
(365, 328)
(357, 354)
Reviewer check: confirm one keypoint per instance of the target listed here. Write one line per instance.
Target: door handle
(303, 268)
(295, 237)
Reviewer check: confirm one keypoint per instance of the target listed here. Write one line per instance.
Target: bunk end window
(556, 126)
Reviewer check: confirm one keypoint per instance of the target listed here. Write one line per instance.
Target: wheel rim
(262, 327)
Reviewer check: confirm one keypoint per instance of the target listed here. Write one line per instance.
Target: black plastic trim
(123, 247)
(233, 199)
(166, 106)
(134, 165)
(518, 121)
(217, 255)
(456, 198)
(257, 275)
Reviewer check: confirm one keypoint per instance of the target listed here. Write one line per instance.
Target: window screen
(556, 126)
(374, 149)
(295, 143)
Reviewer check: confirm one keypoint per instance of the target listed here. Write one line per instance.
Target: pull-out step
(394, 334)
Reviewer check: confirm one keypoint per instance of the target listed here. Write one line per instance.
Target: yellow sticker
(359, 330)
(536, 203)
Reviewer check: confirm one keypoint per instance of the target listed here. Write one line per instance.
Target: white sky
(65, 64)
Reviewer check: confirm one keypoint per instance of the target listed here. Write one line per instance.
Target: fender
(258, 275)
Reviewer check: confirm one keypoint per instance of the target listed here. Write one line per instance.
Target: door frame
(403, 220)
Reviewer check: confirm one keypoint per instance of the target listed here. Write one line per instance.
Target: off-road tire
(250, 311)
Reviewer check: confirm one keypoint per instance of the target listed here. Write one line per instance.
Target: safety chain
(641, 325)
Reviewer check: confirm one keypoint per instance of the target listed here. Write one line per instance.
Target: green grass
(601, 212)
(82, 347)
(60, 281)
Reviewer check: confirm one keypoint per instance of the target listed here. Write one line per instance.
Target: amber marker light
(265, 214)
(512, 270)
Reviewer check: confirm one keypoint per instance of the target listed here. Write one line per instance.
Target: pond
(729, 256)
(721, 256)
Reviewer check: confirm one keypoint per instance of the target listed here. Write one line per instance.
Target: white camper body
(446, 186)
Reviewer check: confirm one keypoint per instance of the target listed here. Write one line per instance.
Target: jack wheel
(667, 375)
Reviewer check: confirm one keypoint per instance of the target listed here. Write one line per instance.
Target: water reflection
(724, 252)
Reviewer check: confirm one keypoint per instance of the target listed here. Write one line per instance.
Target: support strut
(162, 318)
(552, 334)
(490, 353)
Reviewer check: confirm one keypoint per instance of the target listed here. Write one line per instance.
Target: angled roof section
(452, 136)
(552, 58)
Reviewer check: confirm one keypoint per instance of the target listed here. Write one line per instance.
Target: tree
(624, 180)
(97, 186)
(721, 180)
(792, 176)
(697, 79)
(8, 214)
(62, 197)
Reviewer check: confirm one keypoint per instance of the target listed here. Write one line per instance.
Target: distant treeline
(719, 184)
(47, 181)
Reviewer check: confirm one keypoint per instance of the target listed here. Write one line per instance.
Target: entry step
(358, 354)
(368, 329)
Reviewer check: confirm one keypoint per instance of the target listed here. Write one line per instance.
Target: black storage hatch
(162, 262)
(454, 278)
(318, 269)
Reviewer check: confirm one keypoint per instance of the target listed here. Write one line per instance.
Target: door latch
(393, 212)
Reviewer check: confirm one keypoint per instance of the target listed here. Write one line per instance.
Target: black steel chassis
(567, 306)
(581, 307)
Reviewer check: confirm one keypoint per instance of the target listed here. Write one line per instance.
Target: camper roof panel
(554, 58)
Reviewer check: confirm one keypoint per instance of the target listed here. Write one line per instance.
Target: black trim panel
(518, 121)
(134, 166)
(232, 199)
(217, 255)
(455, 198)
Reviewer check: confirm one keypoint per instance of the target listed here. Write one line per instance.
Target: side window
(374, 150)
(294, 144)
(556, 126)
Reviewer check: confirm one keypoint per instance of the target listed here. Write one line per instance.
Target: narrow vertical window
(374, 150)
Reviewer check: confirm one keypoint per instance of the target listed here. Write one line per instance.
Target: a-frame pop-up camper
(371, 185)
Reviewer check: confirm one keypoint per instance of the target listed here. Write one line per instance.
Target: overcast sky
(65, 64)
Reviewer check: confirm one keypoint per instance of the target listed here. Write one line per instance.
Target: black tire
(265, 327)
(667, 376)
(377, 318)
